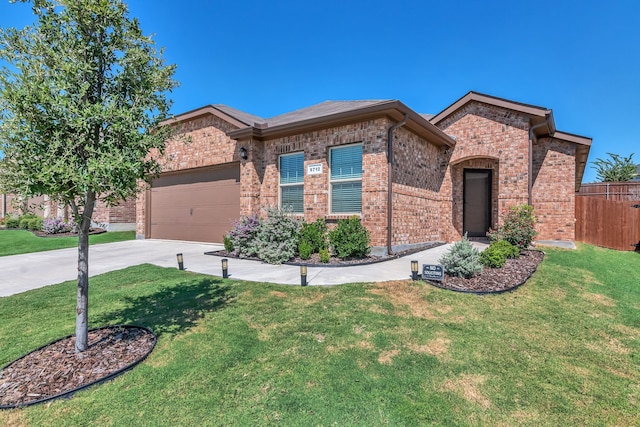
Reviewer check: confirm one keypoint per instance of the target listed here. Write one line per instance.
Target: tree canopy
(615, 169)
(81, 99)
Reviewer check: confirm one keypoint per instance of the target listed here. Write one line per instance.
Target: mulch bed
(314, 260)
(495, 280)
(56, 370)
(91, 231)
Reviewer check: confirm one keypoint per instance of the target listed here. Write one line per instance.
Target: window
(346, 179)
(292, 182)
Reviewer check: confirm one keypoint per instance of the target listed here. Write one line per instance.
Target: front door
(476, 215)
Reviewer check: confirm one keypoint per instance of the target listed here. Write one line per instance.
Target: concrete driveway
(30, 271)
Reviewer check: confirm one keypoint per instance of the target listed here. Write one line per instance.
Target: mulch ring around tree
(56, 370)
(496, 280)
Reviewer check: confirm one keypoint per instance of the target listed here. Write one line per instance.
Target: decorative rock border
(108, 377)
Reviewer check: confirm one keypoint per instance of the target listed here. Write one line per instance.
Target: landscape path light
(414, 269)
(180, 261)
(225, 268)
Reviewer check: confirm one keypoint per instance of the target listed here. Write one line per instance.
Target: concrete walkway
(31, 271)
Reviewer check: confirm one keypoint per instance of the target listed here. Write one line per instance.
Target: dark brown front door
(197, 205)
(477, 202)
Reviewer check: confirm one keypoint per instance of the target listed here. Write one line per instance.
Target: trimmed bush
(305, 249)
(243, 235)
(506, 248)
(324, 255)
(277, 237)
(493, 258)
(315, 234)
(350, 239)
(518, 227)
(12, 222)
(462, 260)
(35, 224)
(228, 243)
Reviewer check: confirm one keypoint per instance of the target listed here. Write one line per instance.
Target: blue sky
(579, 58)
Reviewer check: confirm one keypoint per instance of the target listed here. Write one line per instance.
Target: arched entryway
(475, 195)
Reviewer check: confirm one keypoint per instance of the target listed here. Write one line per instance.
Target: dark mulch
(491, 280)
(314, 260)
(91, 231)
(57, 369)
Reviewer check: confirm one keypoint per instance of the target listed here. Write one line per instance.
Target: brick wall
(418, 174)
(554, 188)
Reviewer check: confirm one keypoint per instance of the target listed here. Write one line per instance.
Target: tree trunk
(82, 307)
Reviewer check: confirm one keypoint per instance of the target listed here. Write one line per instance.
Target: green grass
(562, 350)
(14, 242)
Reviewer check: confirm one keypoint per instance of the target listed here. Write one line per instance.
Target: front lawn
(564, 349)
(14, 242)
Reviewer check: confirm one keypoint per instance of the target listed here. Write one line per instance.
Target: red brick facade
(427, 190)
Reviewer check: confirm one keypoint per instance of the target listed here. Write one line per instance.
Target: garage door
(198, 205)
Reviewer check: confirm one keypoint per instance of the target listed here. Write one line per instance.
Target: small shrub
(305, 249)
(462, 260)
(12, 222)
(495, 256)
(350, 239)
(518, 227)
(35, 224)
(491, 257)
(506, 248)
(276, 240)
(324, 255)
(314, 233)
(243, 235)
(228, 243)
(56, 226)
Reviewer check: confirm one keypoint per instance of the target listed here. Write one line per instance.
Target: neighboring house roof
(637, 178)
(537, 116)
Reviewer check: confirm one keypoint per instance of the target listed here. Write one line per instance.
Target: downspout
(390, 178)
(4, 205)
(530, 174)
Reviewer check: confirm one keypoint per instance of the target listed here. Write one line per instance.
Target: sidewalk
(31, 271)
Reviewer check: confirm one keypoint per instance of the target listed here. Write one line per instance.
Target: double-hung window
(346, 179)
(292, 182)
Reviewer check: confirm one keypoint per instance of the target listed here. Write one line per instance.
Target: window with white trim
(345, 165)
(292, 182)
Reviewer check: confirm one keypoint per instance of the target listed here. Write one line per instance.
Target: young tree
(616, 169)
(80, 104)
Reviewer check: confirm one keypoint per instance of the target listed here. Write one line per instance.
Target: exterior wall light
(243, 153)
(414, 270)
(225, 268)
(180, 261)
(303, 275)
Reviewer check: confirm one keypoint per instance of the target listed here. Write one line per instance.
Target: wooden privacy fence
(612, 190)
(611, 224)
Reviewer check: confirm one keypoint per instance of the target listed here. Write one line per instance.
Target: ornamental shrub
(24, 220)
(56, 226)
(277, 237)
(495, 256)
(324, 255)
(35, 224)
(462, 260)
(12, 222)
(305, 249)
(314, 233)
(518, 227)
(349, 238)
(228, 243)
(243, 235)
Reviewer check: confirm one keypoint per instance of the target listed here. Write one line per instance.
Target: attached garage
(196, 205)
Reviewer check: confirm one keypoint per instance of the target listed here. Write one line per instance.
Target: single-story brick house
(411, 178)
